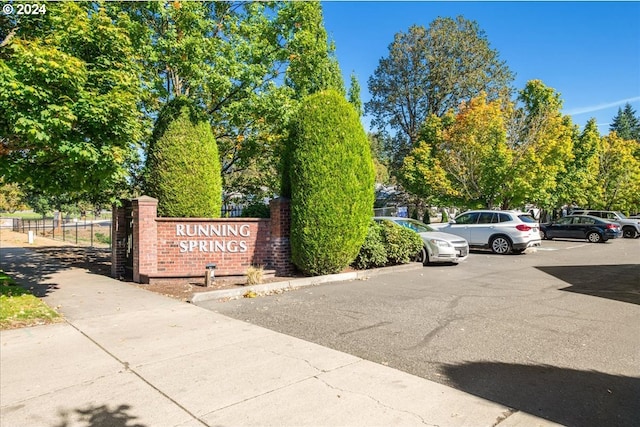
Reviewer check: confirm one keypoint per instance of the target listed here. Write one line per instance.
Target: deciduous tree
(619, 174)
(578, 183)
(68, 96)
(431, 71)
(11, 197)
(475, 154)
(541, 140)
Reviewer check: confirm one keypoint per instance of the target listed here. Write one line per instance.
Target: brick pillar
(118, 240)
(280, 231)
(145, 239)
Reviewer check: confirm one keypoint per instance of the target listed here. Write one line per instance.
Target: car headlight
(440, 243)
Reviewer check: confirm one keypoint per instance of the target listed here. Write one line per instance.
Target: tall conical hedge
(331, 179)
(183, 168)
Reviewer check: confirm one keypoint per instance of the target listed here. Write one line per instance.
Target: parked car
(500, 231)
(630, 226)
(592, 228)
(438, 246)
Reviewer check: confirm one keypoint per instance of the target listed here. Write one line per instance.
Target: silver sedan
(438, 246)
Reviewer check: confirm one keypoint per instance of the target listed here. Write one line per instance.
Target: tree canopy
(68, 95)
(82, 84)
(430, 71)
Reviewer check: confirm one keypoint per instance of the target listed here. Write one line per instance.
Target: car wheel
(629, 233)
(594, 237)
(423, 256)
(500, 245)
(544, 236)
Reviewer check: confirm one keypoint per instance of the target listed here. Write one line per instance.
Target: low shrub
(387, 244)
(373, 252)
(103, 238)
(256, 210)
(445, 217)
(255, 275)
(401, 243)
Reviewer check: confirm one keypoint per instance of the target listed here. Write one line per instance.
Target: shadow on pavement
(31, 267)
(565, 396)
(616, 282)
(99, 416)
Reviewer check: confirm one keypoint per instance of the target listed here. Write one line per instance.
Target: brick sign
(182, 247)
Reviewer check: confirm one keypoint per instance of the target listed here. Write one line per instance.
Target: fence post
(76, 233)
(91, 228)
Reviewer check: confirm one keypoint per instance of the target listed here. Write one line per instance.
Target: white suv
(500, 231)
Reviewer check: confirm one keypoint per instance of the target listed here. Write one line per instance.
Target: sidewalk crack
(128, 368)
(423, 421)
(506, 414)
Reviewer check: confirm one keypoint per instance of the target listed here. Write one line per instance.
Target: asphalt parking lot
(555, 333)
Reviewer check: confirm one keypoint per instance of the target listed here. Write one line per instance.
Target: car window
(414, 225)
(526, 218)
(468, 218)
(504, 217)
(485, 218)
(610, 216)
(586, 220)
(564, 221)
(621, 215)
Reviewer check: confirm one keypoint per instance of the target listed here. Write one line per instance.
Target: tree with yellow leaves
(618, 174)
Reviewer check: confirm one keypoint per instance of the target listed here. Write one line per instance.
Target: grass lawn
(19, 308)
(23, 215)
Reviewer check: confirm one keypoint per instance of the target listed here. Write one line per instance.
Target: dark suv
(630, 227)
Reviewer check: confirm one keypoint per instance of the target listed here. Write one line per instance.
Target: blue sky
(589, 52)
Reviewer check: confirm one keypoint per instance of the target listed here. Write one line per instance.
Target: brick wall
(186, 246)
(182, 247)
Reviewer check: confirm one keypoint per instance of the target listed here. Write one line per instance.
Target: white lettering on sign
(213, 230)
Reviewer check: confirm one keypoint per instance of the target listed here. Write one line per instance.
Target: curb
(292, 284)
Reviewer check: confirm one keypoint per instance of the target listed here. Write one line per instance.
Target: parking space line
(546, 249)
(579, 246)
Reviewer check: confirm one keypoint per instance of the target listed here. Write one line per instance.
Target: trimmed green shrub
(373, 252)
(183, 168)
(332, 184)
(402, 244)
(256, 210)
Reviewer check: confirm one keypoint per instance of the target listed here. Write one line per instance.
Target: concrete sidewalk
(129, 357)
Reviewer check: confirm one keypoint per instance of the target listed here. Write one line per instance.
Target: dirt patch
(184, 289)
(21, 240)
